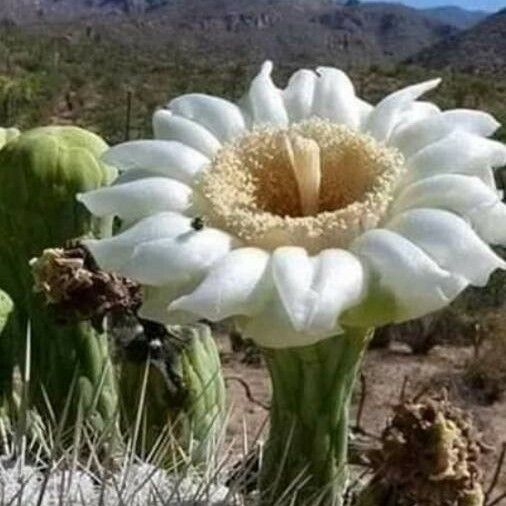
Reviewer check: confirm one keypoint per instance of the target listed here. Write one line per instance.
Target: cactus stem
(307, 445)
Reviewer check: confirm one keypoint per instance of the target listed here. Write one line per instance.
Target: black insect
(198, 223)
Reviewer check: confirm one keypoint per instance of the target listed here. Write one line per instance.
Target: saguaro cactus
(40, 173)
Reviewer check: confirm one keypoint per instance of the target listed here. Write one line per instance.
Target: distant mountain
(479, 49)
(456, 16)
(289, 30)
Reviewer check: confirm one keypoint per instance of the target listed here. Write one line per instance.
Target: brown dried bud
(77, 289)
(430, 455)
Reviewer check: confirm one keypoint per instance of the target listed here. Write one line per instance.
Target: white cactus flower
(305, 209)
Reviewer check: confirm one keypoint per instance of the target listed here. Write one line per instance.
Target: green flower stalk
(308, 216)
(308, 442)
(41, 171)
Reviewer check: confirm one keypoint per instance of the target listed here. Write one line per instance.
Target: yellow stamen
(315, 184)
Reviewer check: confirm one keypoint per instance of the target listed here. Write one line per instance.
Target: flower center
(315, 184)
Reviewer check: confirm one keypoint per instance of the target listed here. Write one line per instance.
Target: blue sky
(488, 5)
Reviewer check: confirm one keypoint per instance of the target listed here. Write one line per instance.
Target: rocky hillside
(293, 30)
(477, 50)
(23, 11)
(456, 16)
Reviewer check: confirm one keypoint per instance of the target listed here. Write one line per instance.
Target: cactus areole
(320, 216)
(41, 171)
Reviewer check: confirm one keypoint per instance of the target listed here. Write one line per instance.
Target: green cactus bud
(6, 363)
(7, 134)
(6, 307)
(184, 392)
(41, 171)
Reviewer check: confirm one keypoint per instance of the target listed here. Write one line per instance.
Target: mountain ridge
(481, 49)
(277, 29)
(457, 16)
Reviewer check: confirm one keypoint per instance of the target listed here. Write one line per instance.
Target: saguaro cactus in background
(40, 173)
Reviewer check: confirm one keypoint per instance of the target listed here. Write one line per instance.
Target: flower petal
(416, 111)
(292, 271)
(221, 117)
(134, 175)
(418, 134)
(459, 152)
(168, 126)
(334, 97)
(453, 192)
(386, 114)
(112, 254)
(404, 282)
(339, 283)
(264, 100)
(155, 303)
(178, 259)
(236, 285)
(467, 196)
(299, 94)
(314, 291)
(272, 328)
(450, 241)
(166, 158)
(490, 222)
(138, 199)
(364, 109)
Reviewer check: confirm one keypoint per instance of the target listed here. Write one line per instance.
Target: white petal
(134, 175)
(292, 271)
(453, 192)
(221, 117)
(138, 199)
(298, 95)
(179, 259)
(467, 196)
(272, 328)
(405, 282)
(334, 97)
(417, 135)
(416, 111)
(314, 291)
(339, 283)
(112, 254)
(236, 285)
(168, 126)
(364, 109)
(166, 158)
(386, 114)
(459, 152)
(490, 222)
(264, 101)
(155, 303)
(450, 241)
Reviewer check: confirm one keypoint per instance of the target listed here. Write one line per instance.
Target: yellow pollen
(304, 156)
(315, 184)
